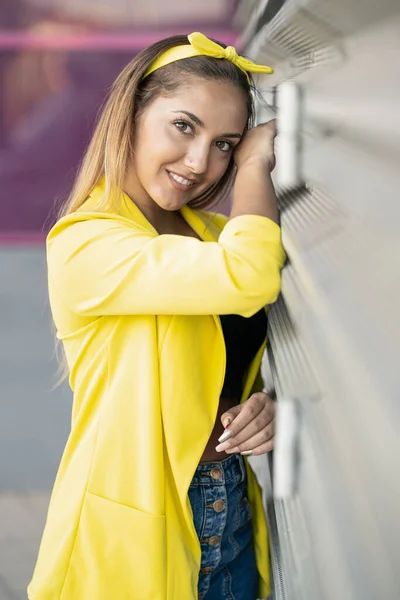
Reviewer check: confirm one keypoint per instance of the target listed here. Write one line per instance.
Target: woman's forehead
(210, 101)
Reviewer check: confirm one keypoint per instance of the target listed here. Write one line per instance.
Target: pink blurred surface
(56, 67)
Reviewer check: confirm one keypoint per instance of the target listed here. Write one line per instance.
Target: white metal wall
(335, 332)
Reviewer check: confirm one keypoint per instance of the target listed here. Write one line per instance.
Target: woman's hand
(249, 427)
(257, 145)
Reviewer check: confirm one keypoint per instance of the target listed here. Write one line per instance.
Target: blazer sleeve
(108, 266)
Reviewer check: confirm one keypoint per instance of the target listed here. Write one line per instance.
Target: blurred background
(333, 496)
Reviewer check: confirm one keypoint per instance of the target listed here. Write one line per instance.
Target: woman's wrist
(267, 164)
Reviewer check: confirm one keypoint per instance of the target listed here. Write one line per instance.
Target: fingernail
(227, 422)
(246, 452)
(222, 447)
(225, 436)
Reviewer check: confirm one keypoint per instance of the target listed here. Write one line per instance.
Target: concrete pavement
(34, 419)
(22, 517)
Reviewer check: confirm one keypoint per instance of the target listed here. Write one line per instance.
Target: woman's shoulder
(97, 211)
(85, 225)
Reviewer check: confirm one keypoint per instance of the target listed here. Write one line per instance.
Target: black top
(243, 338)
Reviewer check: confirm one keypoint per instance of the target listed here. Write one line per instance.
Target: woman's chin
(170, 202)
(170, 205)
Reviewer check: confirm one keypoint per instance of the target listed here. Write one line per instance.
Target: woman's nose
(197, 159)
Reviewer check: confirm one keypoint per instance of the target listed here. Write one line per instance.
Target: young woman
(160, 306)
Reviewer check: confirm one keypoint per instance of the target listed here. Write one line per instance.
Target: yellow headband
(200, 45)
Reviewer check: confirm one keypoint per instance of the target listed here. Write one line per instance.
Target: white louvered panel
(291, 546)
(327, 291)
(336, 332)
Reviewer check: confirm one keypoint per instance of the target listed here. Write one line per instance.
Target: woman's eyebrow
(200, 123)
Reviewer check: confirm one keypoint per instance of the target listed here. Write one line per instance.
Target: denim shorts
(222, 519)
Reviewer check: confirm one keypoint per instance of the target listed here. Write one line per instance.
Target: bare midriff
(210, 454)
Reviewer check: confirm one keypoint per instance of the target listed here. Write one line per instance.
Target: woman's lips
(178, 185)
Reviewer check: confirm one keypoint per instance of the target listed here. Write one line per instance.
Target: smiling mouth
(181, 181)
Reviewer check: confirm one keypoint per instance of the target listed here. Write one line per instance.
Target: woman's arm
(254, 192)
(105, 265)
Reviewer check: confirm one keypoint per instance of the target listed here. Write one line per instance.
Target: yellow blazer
(136, 312)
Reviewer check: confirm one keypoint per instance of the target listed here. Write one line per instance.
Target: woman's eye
(224, 146)
(183, 126)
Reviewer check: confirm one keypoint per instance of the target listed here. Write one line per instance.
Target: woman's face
(183, 142)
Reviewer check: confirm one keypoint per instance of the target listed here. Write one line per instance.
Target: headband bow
(200, 45)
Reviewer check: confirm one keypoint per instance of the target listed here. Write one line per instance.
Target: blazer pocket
(119, 553)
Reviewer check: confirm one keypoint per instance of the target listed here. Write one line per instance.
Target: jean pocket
(243, 514)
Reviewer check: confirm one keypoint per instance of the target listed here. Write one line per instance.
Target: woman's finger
(251, 443)
(263, 449)
(231, 414)
(258, 425)
(248, 411)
